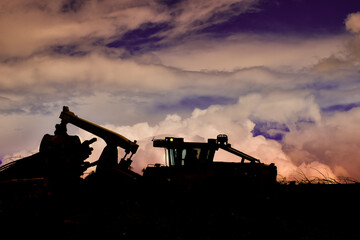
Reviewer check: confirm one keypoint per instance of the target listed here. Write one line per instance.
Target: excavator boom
(238, 153)
(109, 136)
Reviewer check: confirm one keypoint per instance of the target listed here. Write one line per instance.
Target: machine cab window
(180, 153)
(183, 156)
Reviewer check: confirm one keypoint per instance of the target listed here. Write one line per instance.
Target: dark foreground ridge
(109, 211)
(189, 197)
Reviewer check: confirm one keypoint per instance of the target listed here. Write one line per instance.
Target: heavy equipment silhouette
(192, 163)
(188, 196)
(61, 160)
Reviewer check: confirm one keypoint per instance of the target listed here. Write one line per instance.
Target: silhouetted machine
(190, 163)
(112, 139)
(61, 158)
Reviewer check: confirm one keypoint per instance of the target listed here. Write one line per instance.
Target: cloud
(249, 50)
(46, 74)
(313, 145)
(235, 121)
(348, 59)
(126, 95)
(183, 82)
(192, 16)
(21, 134)
(352, 22)
(324, 147)
(136, 90)
(35, 26)
(331, 141)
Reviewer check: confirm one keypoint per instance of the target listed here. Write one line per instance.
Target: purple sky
(281, 78)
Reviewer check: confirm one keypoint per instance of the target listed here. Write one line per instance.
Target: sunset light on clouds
(280, 78)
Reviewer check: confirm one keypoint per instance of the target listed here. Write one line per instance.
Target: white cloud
(280, 79)
(31, 27)
(348, 59)
(332, 141)
(248, 50)
(22, 133)
(352, 22)
(28, 27)
(234, 120)
(46, 74)
(191, 16)
(123, 95)
(327, 146)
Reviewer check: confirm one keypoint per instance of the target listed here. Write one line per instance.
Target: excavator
(61, 158)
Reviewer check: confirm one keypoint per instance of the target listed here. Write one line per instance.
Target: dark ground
(96, 211)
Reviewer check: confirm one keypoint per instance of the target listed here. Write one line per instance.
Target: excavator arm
(222, 142)
(236, 152)
(110, 137)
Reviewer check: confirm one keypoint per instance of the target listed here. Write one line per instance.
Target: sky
(281, 78)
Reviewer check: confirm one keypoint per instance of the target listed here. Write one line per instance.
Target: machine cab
(188, 163)
(185, 154)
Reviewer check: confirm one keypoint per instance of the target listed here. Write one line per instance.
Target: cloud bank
(151, 68)
(313, 144)
(88, 25)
